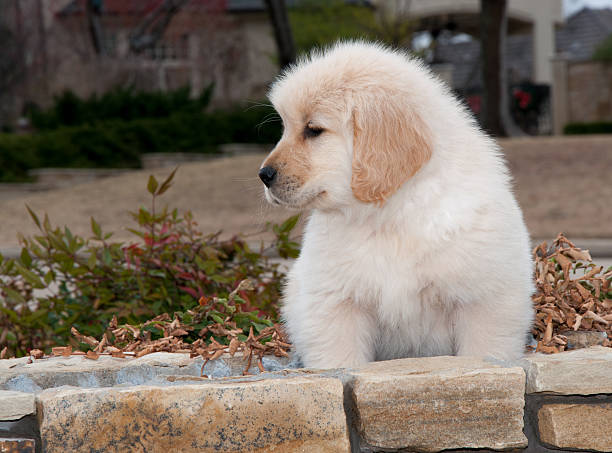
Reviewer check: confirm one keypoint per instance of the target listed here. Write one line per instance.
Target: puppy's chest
(367, 269)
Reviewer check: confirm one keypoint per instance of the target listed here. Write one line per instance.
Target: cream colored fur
(415, 244)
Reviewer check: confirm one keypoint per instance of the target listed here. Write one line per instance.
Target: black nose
(267, 175)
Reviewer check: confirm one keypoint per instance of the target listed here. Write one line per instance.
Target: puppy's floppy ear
(390, 144)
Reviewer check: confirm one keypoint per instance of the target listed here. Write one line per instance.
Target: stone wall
(159, 403)
(582, 92)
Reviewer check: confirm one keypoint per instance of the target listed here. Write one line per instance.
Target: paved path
(563, 184)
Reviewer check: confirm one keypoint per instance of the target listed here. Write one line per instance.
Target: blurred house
(582, 32)
(454, 53)
(91, 48)
(582, 87)
(575, 43)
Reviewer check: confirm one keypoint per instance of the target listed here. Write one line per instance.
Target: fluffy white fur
(435, 263)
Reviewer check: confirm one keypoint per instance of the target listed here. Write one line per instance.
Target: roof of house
(582, 33)
(465, 58)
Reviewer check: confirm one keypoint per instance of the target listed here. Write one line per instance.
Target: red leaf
(189, 290)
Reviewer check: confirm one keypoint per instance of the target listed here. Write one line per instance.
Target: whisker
(266, 121)
(257, 104)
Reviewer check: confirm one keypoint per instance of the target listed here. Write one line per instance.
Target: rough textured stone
(581, 426)
(282, 414)
(14, 405)
(437, 403)
(77, 371)
(584, 338)
(17, 445)
(580, 372)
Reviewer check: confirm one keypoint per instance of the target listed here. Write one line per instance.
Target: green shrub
(17, 156)
(588, 128)
(171, 267)
(122, 104)
(603, 52)
(117, 143)
(318, 24)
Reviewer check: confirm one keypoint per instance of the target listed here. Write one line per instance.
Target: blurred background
(97, 94)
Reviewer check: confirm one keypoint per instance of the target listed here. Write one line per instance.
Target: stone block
(584, 338)
(16, 445)
(281, 414)
(437, 403)
(580, 372)
(576, 426)
(14, 405)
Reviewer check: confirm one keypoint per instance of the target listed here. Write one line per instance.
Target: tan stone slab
(437, 403)
(581, 426)
(278, 414)
(579, 372)
(15, 405)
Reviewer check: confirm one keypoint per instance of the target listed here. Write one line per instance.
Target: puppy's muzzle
(267, 175)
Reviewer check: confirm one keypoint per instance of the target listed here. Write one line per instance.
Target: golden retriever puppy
(415, 245)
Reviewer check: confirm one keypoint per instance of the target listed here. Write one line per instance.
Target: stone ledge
(576, 426)
(437, 403)
(77, 371)
(286, 414)
(16, 405)
(427, 404)
(579, 372)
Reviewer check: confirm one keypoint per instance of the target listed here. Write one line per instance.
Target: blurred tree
(603, 52)
(94, 12)
(282, 31)
(492, 36)
(15, 42)
(495, 116)
(318, 23)
(145, 35)
(152, 27)
(394, 25)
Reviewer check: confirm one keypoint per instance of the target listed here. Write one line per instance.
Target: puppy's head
(352, 129)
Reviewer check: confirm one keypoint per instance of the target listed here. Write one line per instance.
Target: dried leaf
(37, 353)
(92, 355)
(233, 346)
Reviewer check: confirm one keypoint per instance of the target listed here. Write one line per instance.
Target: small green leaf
(30, 277)
(91, 262)
(14, 295)
(289, 224)
(152, 185)
(95, 228)
(106, 257)
(26, 259)
(34, 216)
(217, 318)
(166, 184)
(49, 277)
(47, 223)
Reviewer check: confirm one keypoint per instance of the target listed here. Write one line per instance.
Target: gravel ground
(563, 184)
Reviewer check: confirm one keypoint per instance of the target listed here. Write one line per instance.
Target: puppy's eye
(311, 131)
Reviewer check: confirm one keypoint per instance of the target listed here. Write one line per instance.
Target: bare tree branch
(282, 31)
(153, 26)
(94, 13)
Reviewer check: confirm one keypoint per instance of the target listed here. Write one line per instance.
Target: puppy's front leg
(330, 333)
(498, 331)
